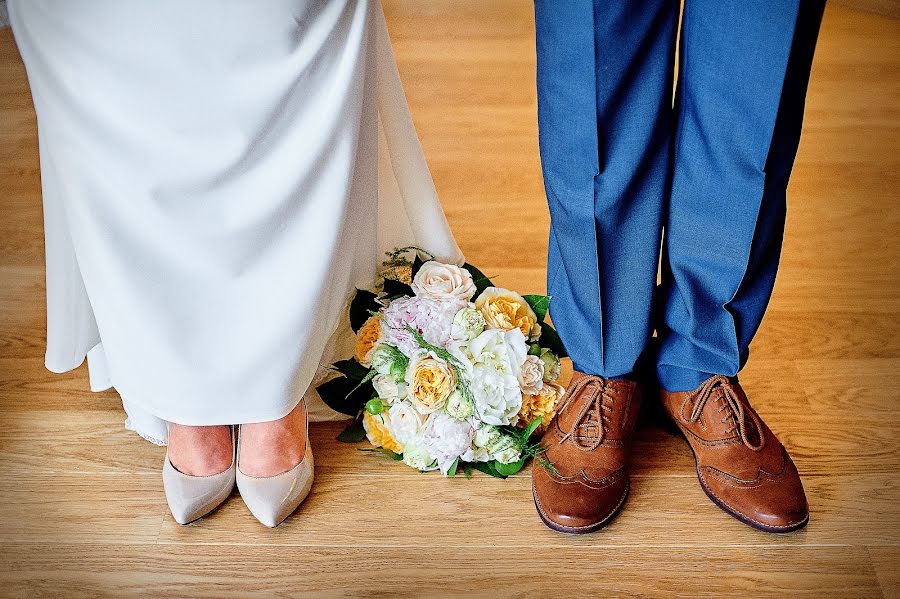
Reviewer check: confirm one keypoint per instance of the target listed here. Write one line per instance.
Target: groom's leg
(742, 86)
(604, 109)
(604, 80)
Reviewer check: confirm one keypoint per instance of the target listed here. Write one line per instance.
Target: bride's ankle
(270, 448)
(200, 450)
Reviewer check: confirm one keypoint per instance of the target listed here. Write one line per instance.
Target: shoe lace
(589, 428)
(722, 391)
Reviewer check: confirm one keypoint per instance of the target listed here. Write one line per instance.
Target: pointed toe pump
(192, 497)
(271, 499)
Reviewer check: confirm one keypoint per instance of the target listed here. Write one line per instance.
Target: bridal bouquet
(450, 371)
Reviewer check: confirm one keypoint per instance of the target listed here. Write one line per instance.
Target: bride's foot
(199, 470)
(275, 466)
(270, 448)
(200, 450)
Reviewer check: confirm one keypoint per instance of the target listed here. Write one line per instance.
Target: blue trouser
(621, 165)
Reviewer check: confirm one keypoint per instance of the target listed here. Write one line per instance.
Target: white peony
(468, 323)
(406, 422)
(531, 375)
(432, 318)
(504, 351)
(460, 351)
(388, 389)
(498, 397)
(439, 281)
(446, 439)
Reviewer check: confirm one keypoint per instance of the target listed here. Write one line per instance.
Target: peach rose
(506, 310)
(542, 404)
(378, 431)
(366, 340)
(431, 381)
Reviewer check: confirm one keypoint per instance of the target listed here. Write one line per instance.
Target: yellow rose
(366, 339)
(543, 404)
(378, 431)
(431, 381)
(506, 310)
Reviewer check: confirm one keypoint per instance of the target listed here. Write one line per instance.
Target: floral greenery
(352, 392)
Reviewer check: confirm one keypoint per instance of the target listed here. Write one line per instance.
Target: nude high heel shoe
(191, 497)
(271, 499)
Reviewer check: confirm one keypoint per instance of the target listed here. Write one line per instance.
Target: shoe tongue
(584, 396)
(717, 409)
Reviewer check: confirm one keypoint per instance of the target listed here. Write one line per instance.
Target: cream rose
(551, 365)
(388, 389)
(459, 406)
(531, 376)
(506, 310)
(406, 422)
(468, 323)
(439, 281)
(431, 381)
(506, 450)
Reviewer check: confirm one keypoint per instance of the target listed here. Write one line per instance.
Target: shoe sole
(749, 522)
(580, 530)
(736, 515)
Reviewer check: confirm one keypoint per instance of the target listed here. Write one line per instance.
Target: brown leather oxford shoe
(581, 481)
(741, 465)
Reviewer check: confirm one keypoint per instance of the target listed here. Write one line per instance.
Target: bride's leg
(200, 450)
(270, 448)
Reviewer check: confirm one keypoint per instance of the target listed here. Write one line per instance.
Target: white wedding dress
(218, 176)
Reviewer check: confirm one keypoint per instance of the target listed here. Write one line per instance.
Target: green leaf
(488, 468)
(452, 471)
(467, 470)
(352, 369)
(394, 456)
(538, 303)
(481, 281)
(396, 288)
(363, 302)
(353, 433)
(344, 395)
(509, 469)
(365, 383)
(416, 265)
(532, 426)
(550, 339)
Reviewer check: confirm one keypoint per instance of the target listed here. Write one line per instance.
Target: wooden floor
(82, 511)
